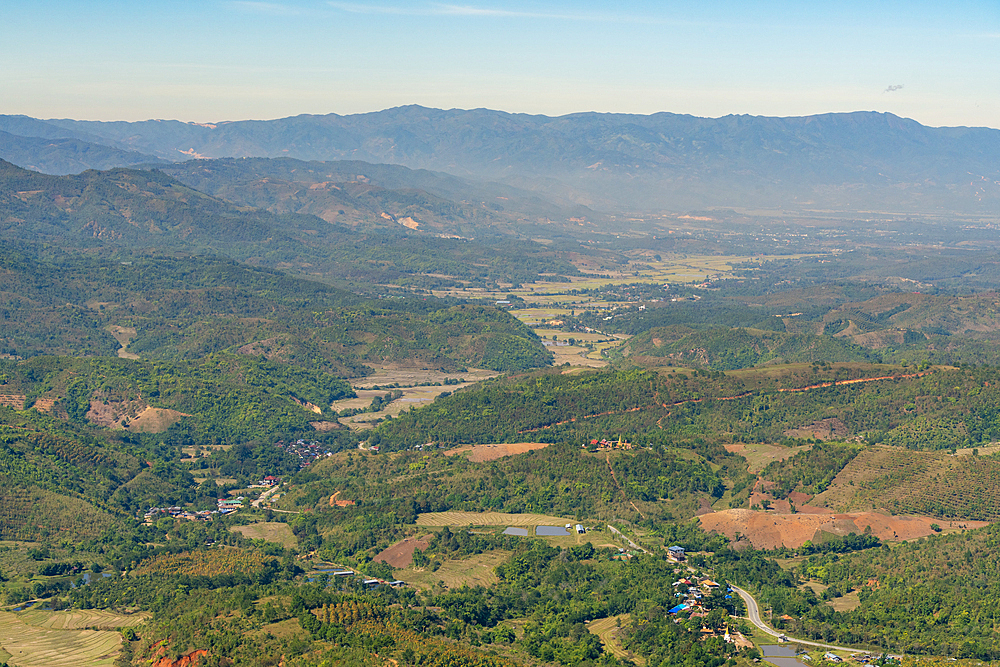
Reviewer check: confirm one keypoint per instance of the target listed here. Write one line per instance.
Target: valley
(269, 411)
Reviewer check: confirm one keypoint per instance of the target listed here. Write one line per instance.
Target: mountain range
(847, 162)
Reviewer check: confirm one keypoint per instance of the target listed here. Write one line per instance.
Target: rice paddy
(39, 638)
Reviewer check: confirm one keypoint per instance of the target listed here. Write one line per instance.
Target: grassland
(760, 454)
(474, 571)
(279, 533)
(488, 519)
(60, 639)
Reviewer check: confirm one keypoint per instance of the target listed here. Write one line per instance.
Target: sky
(215, 60)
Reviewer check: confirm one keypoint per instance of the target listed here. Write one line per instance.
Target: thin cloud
(464, 10)
(892, 89)
(468, 10)
(355, 8)
(273, 8)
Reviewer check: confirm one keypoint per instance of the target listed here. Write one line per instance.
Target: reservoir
(782, 656)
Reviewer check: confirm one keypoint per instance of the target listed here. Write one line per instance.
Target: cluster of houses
(691, 596)
(306, 450)
(229, 505)
(154, 513)
(607, 445)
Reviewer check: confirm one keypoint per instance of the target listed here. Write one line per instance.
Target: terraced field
(488, 519)
(58, 639)
(912, 482)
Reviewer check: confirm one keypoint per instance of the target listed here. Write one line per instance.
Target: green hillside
(128, 209)
(729, 349)
(178, 308)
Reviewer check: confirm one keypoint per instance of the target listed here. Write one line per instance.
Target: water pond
(551, 531)
(511, 530)
(782, 656)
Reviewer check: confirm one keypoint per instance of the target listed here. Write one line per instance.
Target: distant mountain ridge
(843, 161)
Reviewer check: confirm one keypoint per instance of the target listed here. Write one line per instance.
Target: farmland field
(483, 453)
(904, 481)
(279, 533)
(57, 639)
(759, 454)
(474, 571)
(488, 519)
(607, 629)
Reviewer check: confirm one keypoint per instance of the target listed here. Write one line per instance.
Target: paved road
(753, 613)
(630, 542)
(264, 496)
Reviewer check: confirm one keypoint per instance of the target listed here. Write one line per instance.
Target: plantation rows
(911, 482)
(210, 563)
(27, 514)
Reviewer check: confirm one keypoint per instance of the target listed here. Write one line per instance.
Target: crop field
(279, 533)
(412, 396)
(607, 630)
(474, 571)
(33, 645)
(913, 482)
(483, 453)
(759, 454)
(79, 619)
(672, 269)
(387, 375)
(488, 519)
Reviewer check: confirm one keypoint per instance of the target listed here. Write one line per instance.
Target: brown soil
(15, 401)
(400, 554)
(326, 426)
(46, 405)
(484, 453)
(769, 530)
(189, 660)
(113, 413)
(824, 429)
(155, 420)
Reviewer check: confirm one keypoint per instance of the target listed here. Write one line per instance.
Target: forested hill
(847, 161)
(362, 194)
(129, 209)
(171, 308)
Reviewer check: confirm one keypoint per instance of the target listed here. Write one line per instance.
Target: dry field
(607, 630)
(758, 455)
(279, 533)
(124, 336)
(474, 571)
(386, 375)
(79, 619)
(57, 639)
(412, 396)
(400, 554)
(769, 530)
(483, 453)
(155, 420)
(488, 519)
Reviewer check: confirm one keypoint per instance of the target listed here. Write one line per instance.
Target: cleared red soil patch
(769, 530)
(189, 660)
(483, 453)
(400, 554)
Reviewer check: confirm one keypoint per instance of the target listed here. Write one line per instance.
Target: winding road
(753, 613)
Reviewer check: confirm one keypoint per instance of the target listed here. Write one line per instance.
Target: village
(269, 484)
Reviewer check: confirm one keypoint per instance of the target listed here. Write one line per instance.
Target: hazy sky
(209, 60)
